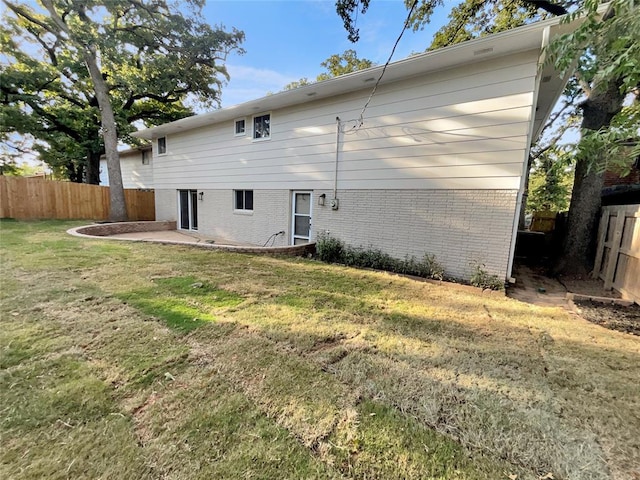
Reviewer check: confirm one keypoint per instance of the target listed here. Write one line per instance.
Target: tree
(348, 62)
(336, 65)
(550, 181)
(607, 73)
(607, 48)
(420, 12)
(84, 73)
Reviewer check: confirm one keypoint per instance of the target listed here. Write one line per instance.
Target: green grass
(183, 303)
(150, 361)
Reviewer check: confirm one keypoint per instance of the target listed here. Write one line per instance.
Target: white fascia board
(501, 44)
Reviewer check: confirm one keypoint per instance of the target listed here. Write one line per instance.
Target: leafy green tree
(348, 62)
(488, 16)
(607, 49)
(82, 74)
(336, 65)
(550, 181)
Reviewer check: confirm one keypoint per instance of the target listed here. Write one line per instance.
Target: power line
(375, 87)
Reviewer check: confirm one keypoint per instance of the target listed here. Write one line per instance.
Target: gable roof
(521, 39)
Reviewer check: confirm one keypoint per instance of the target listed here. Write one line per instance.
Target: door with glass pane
(301, 221)
(188, 208)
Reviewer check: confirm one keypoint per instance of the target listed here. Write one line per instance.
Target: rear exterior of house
(435, 166)
(136, 168)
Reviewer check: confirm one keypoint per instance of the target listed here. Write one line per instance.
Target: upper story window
(240, 127)
(262, 127)
(162, 145)
(145, 157)
(243, 200)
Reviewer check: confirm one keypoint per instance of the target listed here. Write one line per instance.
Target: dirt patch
(612, 316)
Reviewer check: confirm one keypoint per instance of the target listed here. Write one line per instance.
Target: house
(433, 164)
(622, 190)
(136, 167)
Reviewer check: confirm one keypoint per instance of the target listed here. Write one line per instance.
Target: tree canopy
(158, 59)
(335, 65)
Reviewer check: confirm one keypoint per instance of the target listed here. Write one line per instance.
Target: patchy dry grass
(124, 360)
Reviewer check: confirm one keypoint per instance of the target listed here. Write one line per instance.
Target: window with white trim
(145, 157)
(262, 127)
(162, 145)
(240, 127)
(243, 200)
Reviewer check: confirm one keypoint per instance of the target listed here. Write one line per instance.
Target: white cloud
(249, 83)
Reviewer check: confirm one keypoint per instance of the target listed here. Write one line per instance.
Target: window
(243, 200)
(240, 127)
(162, 145)
(262, 127)
(145, 157)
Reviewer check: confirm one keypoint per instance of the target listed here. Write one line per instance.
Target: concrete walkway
(171, 236)
(533, 287)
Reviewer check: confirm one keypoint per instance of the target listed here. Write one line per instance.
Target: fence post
(615, 248)
(602, 237)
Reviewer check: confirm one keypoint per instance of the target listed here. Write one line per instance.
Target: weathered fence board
(36, 198)
(618, 254)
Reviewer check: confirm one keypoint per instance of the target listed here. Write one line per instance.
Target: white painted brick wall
(457, 226)
(217, 218)
(166, 205)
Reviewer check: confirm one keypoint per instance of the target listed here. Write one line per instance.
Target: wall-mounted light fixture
(321, 199)
(201, 195)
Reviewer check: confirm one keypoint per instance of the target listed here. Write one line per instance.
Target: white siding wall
(134, 173)
(459, 129)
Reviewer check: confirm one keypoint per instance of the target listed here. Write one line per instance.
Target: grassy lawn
(122, 360)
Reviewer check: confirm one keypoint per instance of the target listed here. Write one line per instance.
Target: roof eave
(501, 44)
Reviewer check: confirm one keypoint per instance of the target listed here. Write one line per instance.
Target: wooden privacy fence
(618, 253)
(36, 198)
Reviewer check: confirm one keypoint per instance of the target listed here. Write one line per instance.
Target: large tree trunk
(75, 173)
(525, 194)
(93, 168)
(582, 223)
(118, 207)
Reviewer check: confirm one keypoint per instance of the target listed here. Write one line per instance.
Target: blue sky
(288, 39)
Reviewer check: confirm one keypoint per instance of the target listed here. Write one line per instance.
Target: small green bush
(333, 250)
(329, 249)
(480, 278)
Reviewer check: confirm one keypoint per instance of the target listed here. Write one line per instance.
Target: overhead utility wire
(375, 87)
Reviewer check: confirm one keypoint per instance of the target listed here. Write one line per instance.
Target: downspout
(546, 33)
(335, 173)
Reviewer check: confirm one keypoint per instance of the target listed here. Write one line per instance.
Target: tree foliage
(606, 48)
(347, 62)
(335, 65)
(476, 18)
(487, 16)
(155, 57)
(550, 181)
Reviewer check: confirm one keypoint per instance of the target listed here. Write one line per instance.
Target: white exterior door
(301, 218)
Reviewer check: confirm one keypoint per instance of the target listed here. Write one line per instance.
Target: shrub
(482, 279)
(333, 250)
(329, 249)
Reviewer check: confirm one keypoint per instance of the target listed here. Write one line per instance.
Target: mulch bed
(615, 317)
